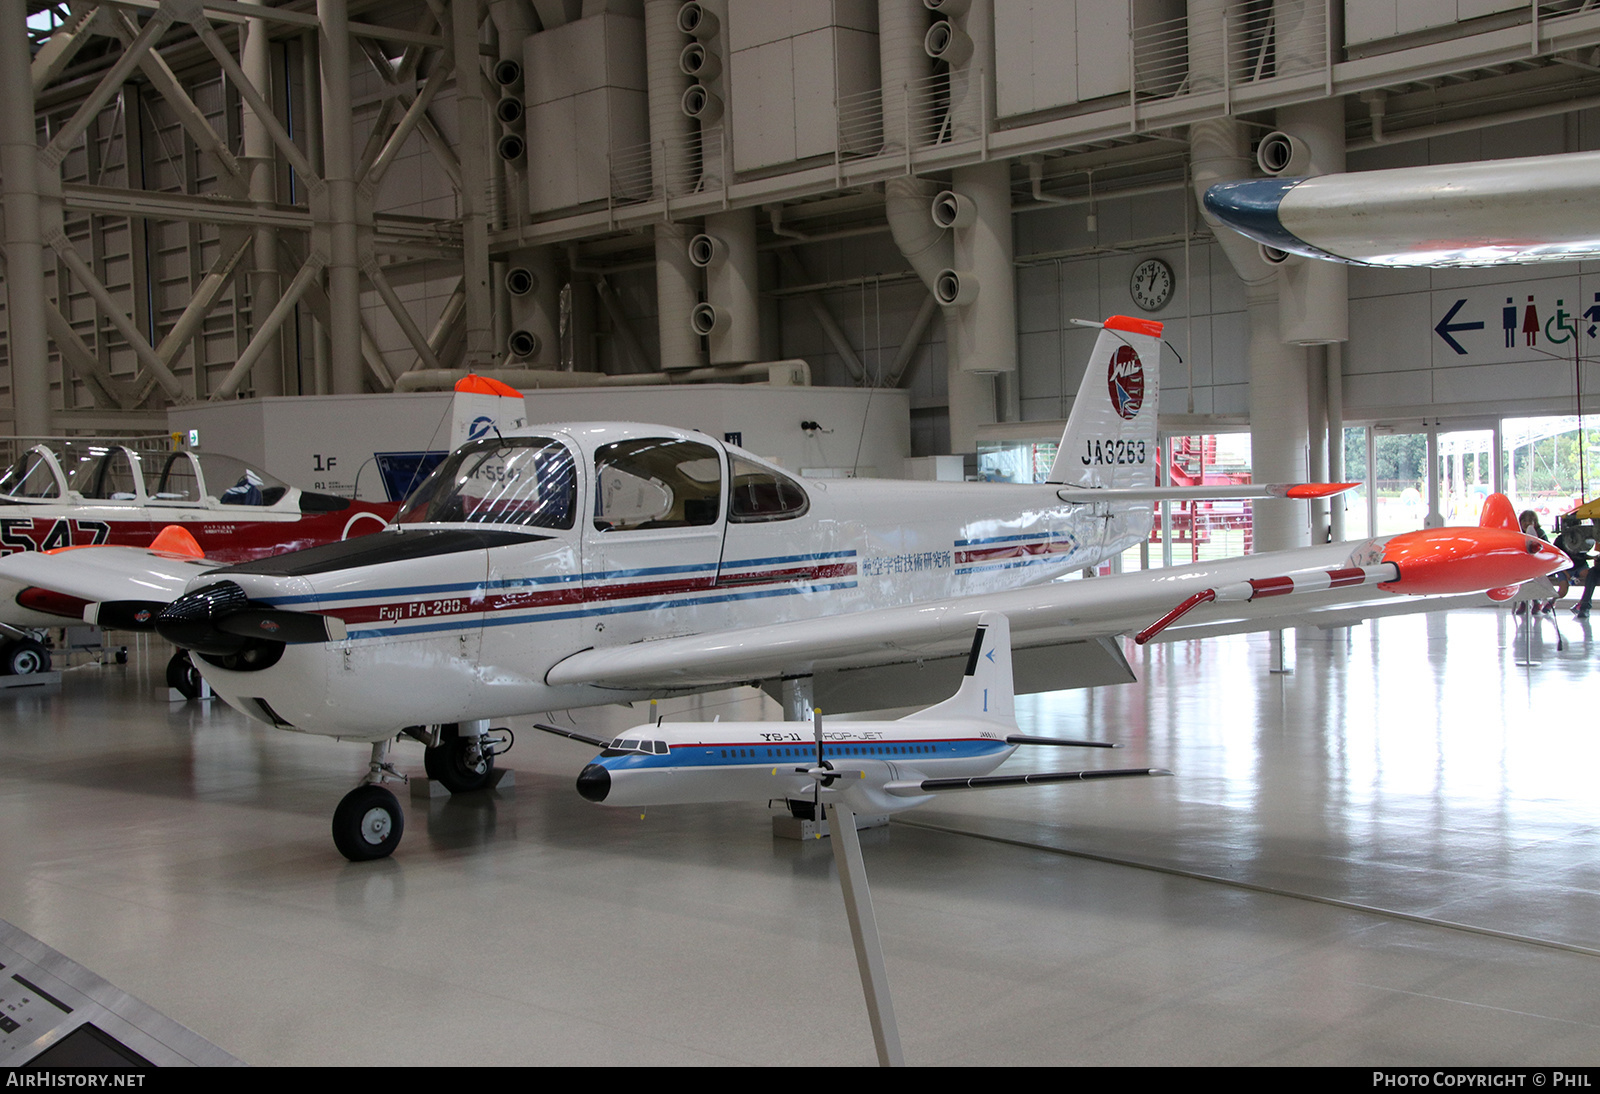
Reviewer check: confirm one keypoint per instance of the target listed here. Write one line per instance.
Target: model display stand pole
(864, 933)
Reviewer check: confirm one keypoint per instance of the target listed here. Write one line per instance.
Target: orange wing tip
(487, 385)
(1134, 326)
(1467, 560)
(175, 540)
(1504, 592)
(1498, 512)
(1318, 489)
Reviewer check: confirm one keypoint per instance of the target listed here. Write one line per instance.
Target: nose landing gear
(368, 823)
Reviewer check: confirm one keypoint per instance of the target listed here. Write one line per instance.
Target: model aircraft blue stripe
(1048, 536)
(765, 755)
(524, 582)
(647, 571)
(505, 619)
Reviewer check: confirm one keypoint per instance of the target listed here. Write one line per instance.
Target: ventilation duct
(697, 22)
(699, 63)
(702, 104)
(952, 210)
(523, 344)
(955, 288)
(1282, 154)
(707, 320)
(706, 251)
(520, 281)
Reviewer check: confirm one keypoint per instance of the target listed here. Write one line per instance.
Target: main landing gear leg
(463, 760)
(368, 823)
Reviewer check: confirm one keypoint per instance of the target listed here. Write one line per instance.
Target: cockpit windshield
(30, 478)
(621, 747)
(527, 481)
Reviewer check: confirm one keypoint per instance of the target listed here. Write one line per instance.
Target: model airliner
(581, 564)
(873, 767)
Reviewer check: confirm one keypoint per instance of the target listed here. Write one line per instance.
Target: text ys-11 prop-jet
(583, 564)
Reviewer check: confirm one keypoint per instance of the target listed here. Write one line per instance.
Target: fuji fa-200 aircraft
(575, 565)
(87, 493)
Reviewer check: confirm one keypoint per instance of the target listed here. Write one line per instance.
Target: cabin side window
(760, 494)
(656, 483)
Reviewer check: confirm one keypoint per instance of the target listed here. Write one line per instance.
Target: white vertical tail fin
(988, 690)
(484, 406)
(1110, 439)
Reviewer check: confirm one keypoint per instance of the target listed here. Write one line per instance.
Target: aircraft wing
(1329, 585)
(100, 574)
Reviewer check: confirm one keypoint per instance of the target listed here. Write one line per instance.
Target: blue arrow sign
(1446, 328)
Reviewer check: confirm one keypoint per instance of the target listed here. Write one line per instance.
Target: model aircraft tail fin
(987, 690)
(484, 405)
(1110, 439)
(1498, 512)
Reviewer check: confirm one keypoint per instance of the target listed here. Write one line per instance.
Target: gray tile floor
(1387, 857)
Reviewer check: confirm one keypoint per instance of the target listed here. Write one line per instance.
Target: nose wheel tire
(26, 657)
(182, 676)
(368, 824)
(457, 763)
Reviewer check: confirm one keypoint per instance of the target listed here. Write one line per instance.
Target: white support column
(731, 286)
(28, 345)
(339, 169)
(472, 121)
(263, 169)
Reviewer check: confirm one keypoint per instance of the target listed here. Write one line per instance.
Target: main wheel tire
(368, 824)
(183, 677)
(26, 657)
(449, 766)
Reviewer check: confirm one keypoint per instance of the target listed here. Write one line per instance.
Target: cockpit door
(653, 537)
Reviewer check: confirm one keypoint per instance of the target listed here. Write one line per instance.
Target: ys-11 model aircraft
(875, 767)
(582, 564)
(87, 493)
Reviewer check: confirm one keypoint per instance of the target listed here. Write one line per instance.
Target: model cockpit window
(760, 493)
(30, 479)
(527, 481)
(620, 747)
(103, 474)
(656, 483)
(230, 481)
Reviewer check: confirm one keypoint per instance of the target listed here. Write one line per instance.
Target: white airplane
(1533, 209)
(873, 767)
(584, 564)
(194, 511)
(83, 493)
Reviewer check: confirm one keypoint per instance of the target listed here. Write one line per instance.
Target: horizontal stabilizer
(991, 782)
(1063, 742)
(1228, 492)
(572, 734)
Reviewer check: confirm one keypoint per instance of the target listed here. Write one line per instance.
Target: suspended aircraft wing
(1333, 583)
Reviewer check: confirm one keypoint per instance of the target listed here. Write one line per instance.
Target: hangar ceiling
(237, 199)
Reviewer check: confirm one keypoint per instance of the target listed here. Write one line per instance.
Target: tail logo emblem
(1125, 380)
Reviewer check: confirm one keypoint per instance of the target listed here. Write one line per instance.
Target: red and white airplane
(583, 564)
(88, 493)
